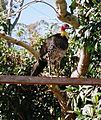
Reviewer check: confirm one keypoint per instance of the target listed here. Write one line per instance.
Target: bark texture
(64, 15)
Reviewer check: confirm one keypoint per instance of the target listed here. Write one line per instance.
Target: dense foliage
(87, 99)
(19, 102)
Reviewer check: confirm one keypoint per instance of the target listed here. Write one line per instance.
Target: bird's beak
(67, 27)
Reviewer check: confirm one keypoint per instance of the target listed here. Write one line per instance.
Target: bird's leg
(49, 66)
(49, 63)
(58, 68)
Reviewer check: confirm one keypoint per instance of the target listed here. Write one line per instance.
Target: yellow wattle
(64, 33)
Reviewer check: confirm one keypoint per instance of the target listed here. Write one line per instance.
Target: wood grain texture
(30, 80)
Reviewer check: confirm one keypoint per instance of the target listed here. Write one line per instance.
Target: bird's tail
(38, 67)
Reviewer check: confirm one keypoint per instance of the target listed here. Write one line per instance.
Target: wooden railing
(31, 80)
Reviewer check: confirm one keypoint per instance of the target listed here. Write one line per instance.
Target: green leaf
(95, 99)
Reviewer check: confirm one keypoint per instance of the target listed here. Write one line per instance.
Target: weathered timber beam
(31, 80)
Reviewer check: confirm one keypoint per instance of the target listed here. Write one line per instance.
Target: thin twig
(17, 18)
(29, 3)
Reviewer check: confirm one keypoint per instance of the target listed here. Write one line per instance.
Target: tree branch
(55, 89)
(32, 2)
(64, 15)
(83, 63)
(20, 43)
(9, 8)
(17, 18)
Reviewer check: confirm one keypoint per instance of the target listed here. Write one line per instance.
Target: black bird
(52, 50)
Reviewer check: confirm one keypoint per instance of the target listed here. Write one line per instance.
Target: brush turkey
(52, 51)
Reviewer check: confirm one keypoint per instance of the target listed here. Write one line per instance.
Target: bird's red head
(64, 27)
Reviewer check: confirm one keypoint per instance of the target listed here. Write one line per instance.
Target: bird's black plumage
(60, 42)
(53, 50)
(39, 66)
